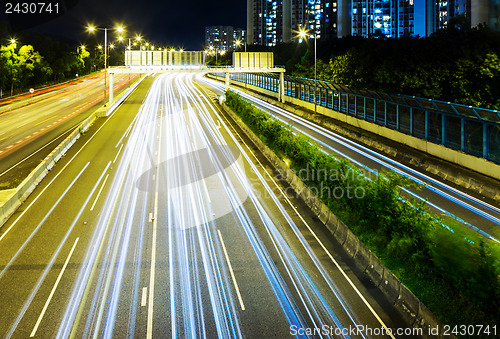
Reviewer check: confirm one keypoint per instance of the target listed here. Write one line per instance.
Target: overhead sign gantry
(170, 61)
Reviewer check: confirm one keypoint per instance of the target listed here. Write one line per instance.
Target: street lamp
(238, 44)
(303, 34)
(92, 29)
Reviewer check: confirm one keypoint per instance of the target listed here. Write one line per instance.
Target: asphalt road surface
(164, 221)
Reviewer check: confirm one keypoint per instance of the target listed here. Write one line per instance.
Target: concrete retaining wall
(413, 311)
(22, 192)
(484, 167)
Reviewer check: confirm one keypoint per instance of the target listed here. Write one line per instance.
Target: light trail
(175, 168)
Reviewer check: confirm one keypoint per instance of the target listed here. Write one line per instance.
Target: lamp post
(92, 29)
(303, 34)
(129, 47)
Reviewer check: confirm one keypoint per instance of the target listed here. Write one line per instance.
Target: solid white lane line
(53, 290)
(231, 270)
(99, 193)
(117, 154)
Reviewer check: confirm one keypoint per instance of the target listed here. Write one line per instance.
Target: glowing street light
(238, 44)
(303, 34)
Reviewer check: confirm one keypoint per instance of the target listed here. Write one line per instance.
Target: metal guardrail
(472, 130)
(21, 193)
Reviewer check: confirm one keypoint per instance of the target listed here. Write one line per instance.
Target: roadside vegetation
(452, 271)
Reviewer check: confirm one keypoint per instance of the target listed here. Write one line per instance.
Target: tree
(10, 65)
(81, 56)
(21, 67)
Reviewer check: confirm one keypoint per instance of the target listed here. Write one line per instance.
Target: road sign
(32, 90)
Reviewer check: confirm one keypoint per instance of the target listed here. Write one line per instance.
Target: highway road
(32, 127)
(443, 199)
(164, 221)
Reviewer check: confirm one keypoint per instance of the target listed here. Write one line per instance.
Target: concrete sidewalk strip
(11, 199)
(413, 311)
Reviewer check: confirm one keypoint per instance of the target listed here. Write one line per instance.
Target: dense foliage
(457, 65)
(458, 279)
(38, 60)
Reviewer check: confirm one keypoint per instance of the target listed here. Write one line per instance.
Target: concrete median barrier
(341, 232)
(362, 256)
(333, 223)
(323, 214)
(408, 305)
(375, 270)
(390, 285)
(425, 321)
(351, 243)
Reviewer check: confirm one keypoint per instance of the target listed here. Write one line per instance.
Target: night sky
(178, 23)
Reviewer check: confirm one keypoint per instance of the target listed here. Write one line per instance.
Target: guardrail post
(485, 141)
(355, 105)
(227, 81)
(426, 132)
(282, 87)
(411, 120)
(443, 129)
(462, 135)
(397, 118)
(364, 108)
(385, 113)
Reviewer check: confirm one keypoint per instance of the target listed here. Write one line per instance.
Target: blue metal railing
(472, 130)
